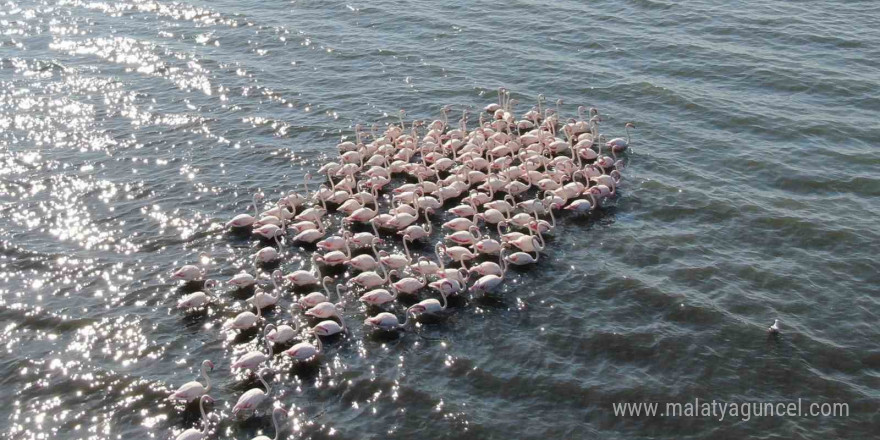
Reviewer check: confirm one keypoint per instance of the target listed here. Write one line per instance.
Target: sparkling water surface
(130, 131)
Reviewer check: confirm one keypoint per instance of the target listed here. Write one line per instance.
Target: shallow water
(131, 130)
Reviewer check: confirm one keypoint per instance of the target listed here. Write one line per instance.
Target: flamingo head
(210, 284)
(630, 125)
(416, 308)
(209, 364)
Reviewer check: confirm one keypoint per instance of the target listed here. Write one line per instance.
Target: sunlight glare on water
(131, 131)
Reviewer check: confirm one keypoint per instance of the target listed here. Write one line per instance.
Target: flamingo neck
(265, 384)
(268, 343)
(256, 208)
(437, 254)
(387, 276)
(207, 379)
(274, 416)
(406, 249)
(204, 416)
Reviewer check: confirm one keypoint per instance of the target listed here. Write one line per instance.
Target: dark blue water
(131, 131)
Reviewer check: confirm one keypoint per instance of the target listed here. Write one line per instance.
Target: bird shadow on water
(242, 293)
(246, 335)
(491, 301)
(261, 419)
(385, 336)
(191, 415)
(245, 381)
(190, 287)
(195, 318)
(600, 216)
(239, 235)
(271, 265)
(305, 371)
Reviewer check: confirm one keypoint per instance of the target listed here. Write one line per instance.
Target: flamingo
(242, 280)
(448, 286)
(387, 321)
(262, 299)
(197, 299)
(365, 262)
(429, 306)
(194, 389)
(371, 279)
(323, 310)
(245, 220)
(619, 144)
(254, 358)
(190, 272)
(336, 258)
(583, 205)
(409, 285)
(315, 298)
(193, 433)
(329, 327)
(269, 254)
(489, 282)
(489, 246)
(311, 235)
(459, 253)
(277, 414)
(305, 277)
(377, 297)
(396, 260)
(489, 267)
(243, 321)
(280, 335)
(522, 258)
(305, 351)
(252, 398)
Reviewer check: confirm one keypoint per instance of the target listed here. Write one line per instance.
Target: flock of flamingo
(503, 179)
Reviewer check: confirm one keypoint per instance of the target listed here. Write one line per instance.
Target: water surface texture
(130, 131)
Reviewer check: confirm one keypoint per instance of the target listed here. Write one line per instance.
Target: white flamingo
(194, 389)
(254, 358)
(245, 220)
(278, 414)
(252, 398)
(280, 335)
(193, 433)
(190, 272)
(198, 299)
(305, 351)
(387, 321)
(243, 321)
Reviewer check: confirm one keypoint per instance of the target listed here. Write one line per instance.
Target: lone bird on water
(774, 329)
